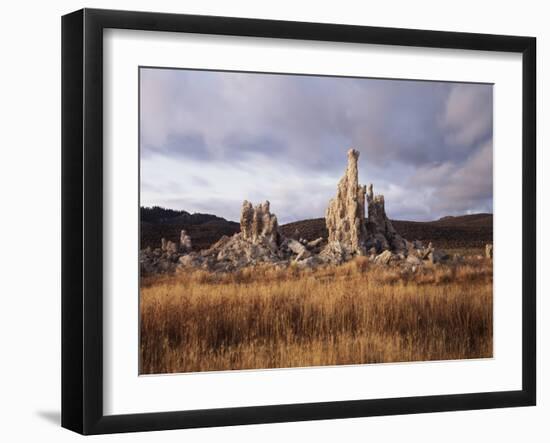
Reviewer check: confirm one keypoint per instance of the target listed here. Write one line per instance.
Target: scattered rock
(458, 259)
(171, 247)
(303, 255)
(220, 243)
(159, 260)
(298, 248)
(441, 256)
(413, 260)
(384, 258)
(334, 253)
(489, 250)
(307, 263)
(437, 256)
(314, 243)
(424, 254)
(187, 260)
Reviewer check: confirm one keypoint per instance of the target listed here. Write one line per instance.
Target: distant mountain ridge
(480, 219)
(204, 229)
(464, 231)
(157, 214)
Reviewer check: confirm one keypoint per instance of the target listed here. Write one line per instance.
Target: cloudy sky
(209, 140)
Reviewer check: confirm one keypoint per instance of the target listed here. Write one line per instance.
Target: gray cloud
(456, 189)
(237, 146)
(189, 144)
(468, 117)
(426, 145)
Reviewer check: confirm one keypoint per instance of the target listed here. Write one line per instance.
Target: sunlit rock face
(345, 215)
(258, 223)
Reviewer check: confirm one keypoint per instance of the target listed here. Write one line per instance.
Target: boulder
(314, 243)
(303, 255)
(334, 253)
(298, 248)
(437, 256)
(307, 262)
(384, 258)
(187, 260)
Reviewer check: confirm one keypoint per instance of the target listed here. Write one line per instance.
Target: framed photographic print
(268, 221)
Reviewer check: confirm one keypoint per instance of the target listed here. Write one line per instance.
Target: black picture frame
(82, 218)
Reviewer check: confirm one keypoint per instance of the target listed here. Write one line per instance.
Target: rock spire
(258, 223)
(382, 233)
(345, 215)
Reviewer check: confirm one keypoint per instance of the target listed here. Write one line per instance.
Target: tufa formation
(257, 223)
(345, 215)
(185, 242)
(349, 233)
(352, 231)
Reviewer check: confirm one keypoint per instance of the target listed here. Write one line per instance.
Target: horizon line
(314, 218)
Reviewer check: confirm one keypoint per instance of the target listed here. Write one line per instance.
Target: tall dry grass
(356, 313)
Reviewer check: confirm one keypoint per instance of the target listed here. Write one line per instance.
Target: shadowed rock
(382, 234)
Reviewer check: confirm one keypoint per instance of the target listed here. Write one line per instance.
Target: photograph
(303, 220)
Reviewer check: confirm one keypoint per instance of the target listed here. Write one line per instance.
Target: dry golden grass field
(356, 313)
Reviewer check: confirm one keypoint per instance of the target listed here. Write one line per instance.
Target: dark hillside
(204, 229)
(466, 231)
